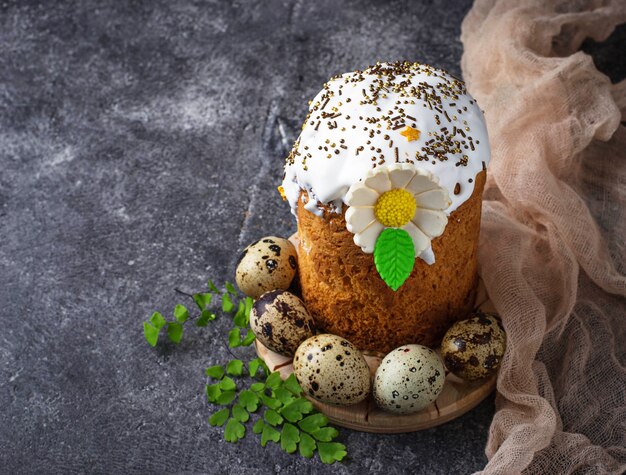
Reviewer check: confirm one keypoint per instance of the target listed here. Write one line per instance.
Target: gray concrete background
(141, 144)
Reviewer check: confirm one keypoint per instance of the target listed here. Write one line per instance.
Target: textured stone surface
(140, 147)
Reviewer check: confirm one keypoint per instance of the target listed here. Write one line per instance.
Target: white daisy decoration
(395, 212)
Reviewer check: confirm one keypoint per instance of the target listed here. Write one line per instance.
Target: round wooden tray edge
(457, 398)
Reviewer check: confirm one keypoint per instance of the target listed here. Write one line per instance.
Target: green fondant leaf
(394, 256)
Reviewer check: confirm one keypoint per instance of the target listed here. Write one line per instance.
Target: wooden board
(456, 398)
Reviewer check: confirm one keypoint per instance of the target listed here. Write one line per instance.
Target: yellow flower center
(395, 208)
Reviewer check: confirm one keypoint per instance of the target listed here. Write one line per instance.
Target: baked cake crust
(344, 292)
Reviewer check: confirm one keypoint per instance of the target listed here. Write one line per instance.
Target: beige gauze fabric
(554, 222)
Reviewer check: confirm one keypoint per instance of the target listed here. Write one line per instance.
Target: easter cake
(386, 181)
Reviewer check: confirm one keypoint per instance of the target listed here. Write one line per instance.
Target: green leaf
(292, 385)
(249, 339)
(227, 384)
(307, 446)
(212, 287)
(272, 417)
(174, 332)
(157, 320)
(256, 387)
(269, 433)
(240, 318)
(230, 288)
(240, 413)
(270, 401)
(225, 398)
(205, 317)
(313, 422)
(234, 431)
(234, 368)
(289, 438)
(227, 304)
(202, 300)
(394, 256)
(273, 380)
(150, 333)
(283, 395)
(249, 400)
(248, 302)
(219, 418)
(257, 363)
(331, 452)
(295, 410)
(216, 372)
(181, 313)
(253, 366)
(258, 426)
(234, 338)
(213, 391)
(325, 434)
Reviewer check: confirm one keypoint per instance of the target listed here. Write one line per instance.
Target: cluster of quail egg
(332, 370)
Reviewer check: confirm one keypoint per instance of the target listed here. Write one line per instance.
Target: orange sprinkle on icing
(410, 133)
(281, 190)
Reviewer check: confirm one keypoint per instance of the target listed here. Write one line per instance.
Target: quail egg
(473, 348)
(408, 379)
(281, 322)
(332, 370)
(268, 264)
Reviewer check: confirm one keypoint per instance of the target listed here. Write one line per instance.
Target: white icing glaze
(332, 152)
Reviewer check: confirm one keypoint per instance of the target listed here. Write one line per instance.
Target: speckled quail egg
(268, 264)
(408, 379)
(281, 322)
(332, 370)
(473, 348)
